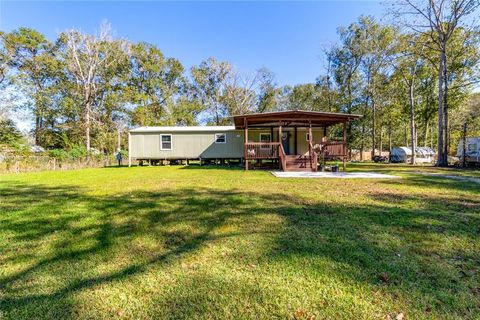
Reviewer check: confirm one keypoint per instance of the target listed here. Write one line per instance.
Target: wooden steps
(297, 163)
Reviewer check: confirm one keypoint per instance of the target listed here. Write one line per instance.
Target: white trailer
(472, 151)
(404, 154)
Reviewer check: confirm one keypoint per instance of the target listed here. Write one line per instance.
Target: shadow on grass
(383, 245)
(212, 166)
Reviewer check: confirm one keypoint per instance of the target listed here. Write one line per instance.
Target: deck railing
(262, 150)
(333, 149)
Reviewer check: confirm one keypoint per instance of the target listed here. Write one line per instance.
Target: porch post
(296, 139)
(344, 146)
(245, 123)
(280, 132)
(310, 140)
(279, 138)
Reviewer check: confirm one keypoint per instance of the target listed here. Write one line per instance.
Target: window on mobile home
(166, 142)
(220, 138)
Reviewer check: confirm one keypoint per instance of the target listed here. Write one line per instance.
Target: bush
(77, 152)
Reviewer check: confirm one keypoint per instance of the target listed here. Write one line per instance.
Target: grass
(212, 243)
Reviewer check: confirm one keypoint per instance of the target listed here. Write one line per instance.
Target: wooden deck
(318, 153)
(323, 150)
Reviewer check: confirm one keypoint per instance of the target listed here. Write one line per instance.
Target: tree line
(413, 82)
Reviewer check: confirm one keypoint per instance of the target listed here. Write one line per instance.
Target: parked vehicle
(404, 155)
(472, 151)
(378, 159)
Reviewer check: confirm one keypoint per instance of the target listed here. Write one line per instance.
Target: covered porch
(294, 140)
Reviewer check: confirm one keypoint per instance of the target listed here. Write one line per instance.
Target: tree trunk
(441, 161)
(412, 123)
(381, 141)
(373, 128)
(389, 141)
(464, 151)
(425, 136)
(119, 139)
(362, 143)
(445, 112)
(37, 130)
(87, 126)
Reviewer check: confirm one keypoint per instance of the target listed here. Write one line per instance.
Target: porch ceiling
(293, 118)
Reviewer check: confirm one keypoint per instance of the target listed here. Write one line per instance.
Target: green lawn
(212, 243)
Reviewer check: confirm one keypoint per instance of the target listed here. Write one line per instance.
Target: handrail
(313, 156)
(261, 150)
(283, 157)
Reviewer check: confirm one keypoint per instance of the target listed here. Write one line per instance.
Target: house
(291, 140)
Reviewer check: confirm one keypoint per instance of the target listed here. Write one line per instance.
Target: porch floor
(341, 175)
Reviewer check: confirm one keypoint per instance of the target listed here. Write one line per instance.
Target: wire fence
(19, 164)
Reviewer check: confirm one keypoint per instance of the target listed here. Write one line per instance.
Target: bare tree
(439, 19)
(240, 95)
(85, 56)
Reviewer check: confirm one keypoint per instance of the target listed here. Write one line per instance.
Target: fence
(18, 164)
(366, 155)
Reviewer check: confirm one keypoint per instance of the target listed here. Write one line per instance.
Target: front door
(286, 142)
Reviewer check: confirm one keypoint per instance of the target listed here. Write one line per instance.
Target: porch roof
(293, 118)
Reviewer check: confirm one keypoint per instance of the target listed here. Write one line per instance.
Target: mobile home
(290, 138)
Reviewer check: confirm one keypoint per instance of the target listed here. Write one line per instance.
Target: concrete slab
(340, 175)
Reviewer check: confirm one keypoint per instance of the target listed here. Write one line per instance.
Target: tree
(407, 64)
(4, 59)
(10, 136)
(240, 94)
(155, 84)
(268, 91)
(376, 45)
(439, 19)
(345, 62)
(32, 57)
(85, 56)
(210, 80)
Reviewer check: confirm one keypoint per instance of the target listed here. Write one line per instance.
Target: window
(165, 142)
(265, 137)
(220, 138)
(472, 147)
(307, 136)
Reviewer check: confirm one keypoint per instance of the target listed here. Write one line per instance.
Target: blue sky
(286, 37)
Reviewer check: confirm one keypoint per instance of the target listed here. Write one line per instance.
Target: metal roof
(183, 129)
(293, 117)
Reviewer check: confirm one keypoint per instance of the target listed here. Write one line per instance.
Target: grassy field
(212, 243)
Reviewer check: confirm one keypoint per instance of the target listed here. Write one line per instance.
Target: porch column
(310, 140)
(279, 138)
(344, 147)
(296, 139)
(245, 123)
(310, 143)
(280, 132)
